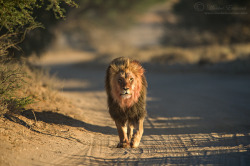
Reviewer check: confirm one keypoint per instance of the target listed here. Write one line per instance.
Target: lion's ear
(114, 68)
(137, 68)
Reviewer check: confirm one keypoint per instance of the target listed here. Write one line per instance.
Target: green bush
(16, 15)
(17, 18)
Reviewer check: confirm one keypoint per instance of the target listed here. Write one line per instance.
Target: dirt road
(193, 118)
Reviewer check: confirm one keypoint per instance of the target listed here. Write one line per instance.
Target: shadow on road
(215, 159)
(165, 127)
(57, 118)
(93, 71)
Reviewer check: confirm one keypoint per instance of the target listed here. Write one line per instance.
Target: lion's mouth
(125, 95)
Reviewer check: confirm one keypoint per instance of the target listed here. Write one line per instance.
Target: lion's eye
(131, 79)
(119, 80)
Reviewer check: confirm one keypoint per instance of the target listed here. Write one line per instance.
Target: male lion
(126, 90)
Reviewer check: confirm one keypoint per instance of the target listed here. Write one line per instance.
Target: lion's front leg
(136, 139)
(130, 131)
(122, 132)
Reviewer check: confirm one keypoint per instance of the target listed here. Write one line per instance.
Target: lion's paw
(123, 145)
(136, 139)
(135, 144)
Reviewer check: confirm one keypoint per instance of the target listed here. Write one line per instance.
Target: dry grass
(113, 44)
(171, 55)
(200, 55)
(24, 86)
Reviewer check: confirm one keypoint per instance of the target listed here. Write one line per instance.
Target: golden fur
(126, 90)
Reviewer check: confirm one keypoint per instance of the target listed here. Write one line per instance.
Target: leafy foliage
(17, 17)
(14, 14)
(18, 14)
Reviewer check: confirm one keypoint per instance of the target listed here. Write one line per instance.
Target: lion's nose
(125, 88)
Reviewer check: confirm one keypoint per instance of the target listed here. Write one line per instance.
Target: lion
(126, 89)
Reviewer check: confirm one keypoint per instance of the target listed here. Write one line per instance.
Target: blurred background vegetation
(196, 34)
(167, 32)
(107, 26)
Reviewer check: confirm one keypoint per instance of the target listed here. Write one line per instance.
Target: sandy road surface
(193, 118)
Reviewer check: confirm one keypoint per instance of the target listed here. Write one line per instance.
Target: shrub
(12, 79)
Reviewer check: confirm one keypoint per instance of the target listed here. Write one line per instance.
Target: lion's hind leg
(122, 132)
(136, 139)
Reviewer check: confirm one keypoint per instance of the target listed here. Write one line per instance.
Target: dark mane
(136, 111)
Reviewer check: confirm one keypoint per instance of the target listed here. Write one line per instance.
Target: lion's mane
(135, 109)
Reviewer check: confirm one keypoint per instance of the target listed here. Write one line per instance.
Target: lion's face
(126, 83)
